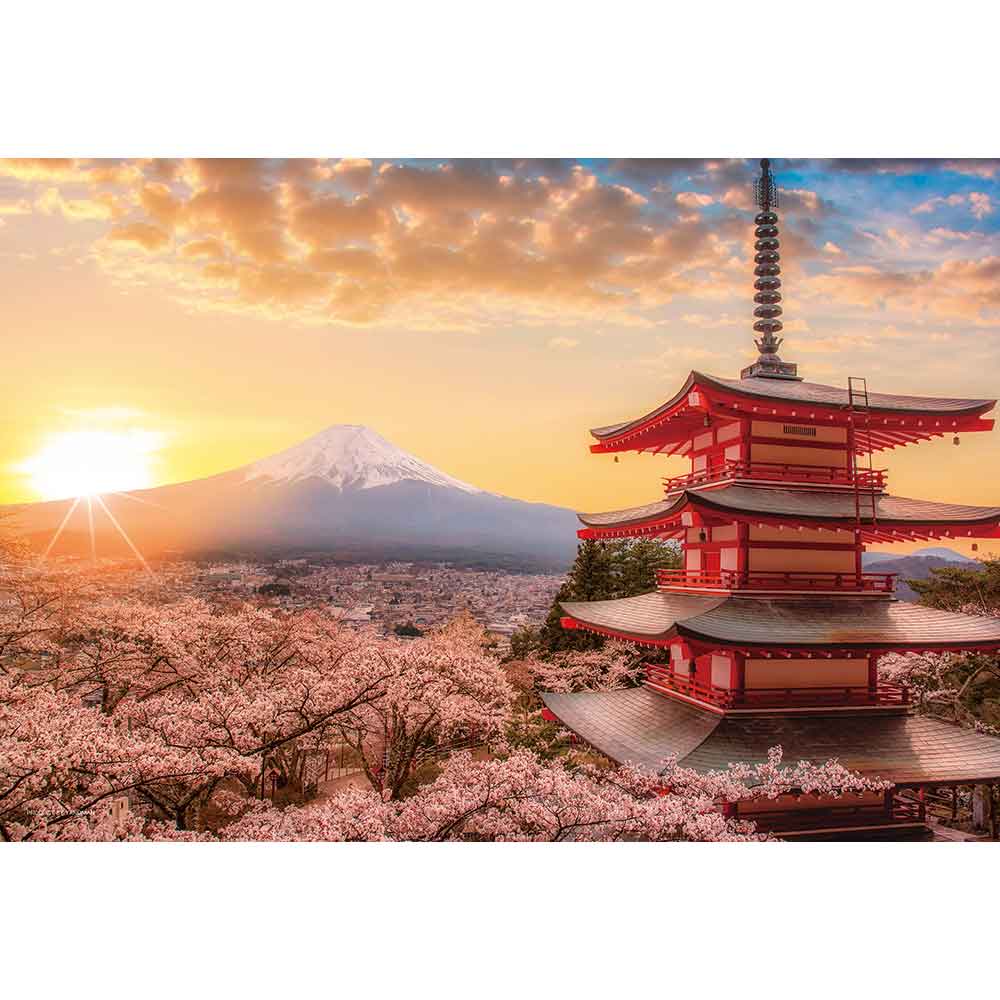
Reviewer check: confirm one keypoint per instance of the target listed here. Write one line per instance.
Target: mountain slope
(929, 551)
(345, 491)
(349, 456)
(916, 566)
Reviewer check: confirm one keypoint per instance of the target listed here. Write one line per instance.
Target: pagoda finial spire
(767, 297)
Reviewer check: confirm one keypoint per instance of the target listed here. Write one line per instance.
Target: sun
(88, 463)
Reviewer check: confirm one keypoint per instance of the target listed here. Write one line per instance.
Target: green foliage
(409, 629)
(953, 588)
(527, 730)
(524, 642)
(604, 571)
(968, 689)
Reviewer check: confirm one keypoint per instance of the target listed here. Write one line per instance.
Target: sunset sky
(481, 314)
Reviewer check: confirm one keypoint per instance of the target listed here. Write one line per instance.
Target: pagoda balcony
(733, 581)
(866, 479)
(885, 695)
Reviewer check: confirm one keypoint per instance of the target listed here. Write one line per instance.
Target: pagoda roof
(821, 400)
(835, 507)
(641, 727)
(748, 623)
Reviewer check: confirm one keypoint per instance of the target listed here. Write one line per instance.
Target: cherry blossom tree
(525, 798)
(614, 665)
(441, 688)
(62, 761)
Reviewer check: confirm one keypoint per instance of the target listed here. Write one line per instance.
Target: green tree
(966, 688)
(953, 588)
(409, 629)
(604, 571)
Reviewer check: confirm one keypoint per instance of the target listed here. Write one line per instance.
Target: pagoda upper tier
(886, 422)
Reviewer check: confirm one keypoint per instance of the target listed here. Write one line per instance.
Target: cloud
(38, 169)
(149, 237)
(692, 199)
(709, 322)
(563, 343)
(100, 207)
(15, 206)
(459, 243)
(979, 203)
(203, 248)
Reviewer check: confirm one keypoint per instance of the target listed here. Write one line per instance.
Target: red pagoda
(772, 631)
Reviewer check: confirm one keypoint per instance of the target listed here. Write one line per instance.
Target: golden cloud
(149, 237)
(353, 242)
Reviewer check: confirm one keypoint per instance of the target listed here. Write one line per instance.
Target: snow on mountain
(349, 457)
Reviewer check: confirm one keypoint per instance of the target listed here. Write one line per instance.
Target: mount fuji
(345, 492)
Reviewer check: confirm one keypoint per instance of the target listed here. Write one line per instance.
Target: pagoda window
(784, 560)
(799, 432)
(823, 536)
(722, 670)
(728, 431)
(782, 454)
(827, 447)
(680, 660)
(776, 672)
(705, 440)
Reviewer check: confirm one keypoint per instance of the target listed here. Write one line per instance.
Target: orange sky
(481, 315)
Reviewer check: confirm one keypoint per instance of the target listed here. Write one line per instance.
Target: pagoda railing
(788, 822)
(867, 479)
(731, 580)
(833, 696)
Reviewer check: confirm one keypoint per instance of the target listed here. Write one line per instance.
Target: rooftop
(904, 417)
(644, 728)
(801, 505)
(838, 623)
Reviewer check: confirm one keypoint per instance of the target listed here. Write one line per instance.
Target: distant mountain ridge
(346, 491)
(915, 566)
(930, 551)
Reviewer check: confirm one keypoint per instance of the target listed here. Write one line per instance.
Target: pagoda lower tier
(743, 674)
(810, 624)
(732, 653)
(639, 726)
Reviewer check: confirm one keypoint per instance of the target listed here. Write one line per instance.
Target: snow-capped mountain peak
(349, 457)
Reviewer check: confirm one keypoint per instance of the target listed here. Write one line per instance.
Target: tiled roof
(645, 728)
(899, 747)
(804, 392)
(839, 622)
(646, 616)
(808, 504)
(634, 515)
(635, 725)
(831, 395)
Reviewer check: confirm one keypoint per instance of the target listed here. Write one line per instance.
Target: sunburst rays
(99, 500)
